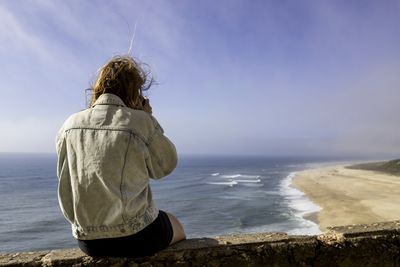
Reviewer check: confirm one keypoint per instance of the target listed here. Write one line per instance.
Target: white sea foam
(249, 176)
(306, 227)
(248, 181)
(301, 205)
(238, 175)
(231, 176)
(235, 179)
(231, 183)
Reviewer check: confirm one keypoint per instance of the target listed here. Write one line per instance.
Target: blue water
(211, 195)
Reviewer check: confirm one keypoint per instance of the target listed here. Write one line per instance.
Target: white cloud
(15, 39)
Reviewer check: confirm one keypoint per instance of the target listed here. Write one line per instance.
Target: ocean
(210, 195)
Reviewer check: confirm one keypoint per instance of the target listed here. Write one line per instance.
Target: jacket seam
(158, 160)
(122, 178)
(130, 131)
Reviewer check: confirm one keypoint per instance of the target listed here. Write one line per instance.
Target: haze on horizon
(234, 77)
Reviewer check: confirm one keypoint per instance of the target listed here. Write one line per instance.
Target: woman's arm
(64, 185)
(162, 158)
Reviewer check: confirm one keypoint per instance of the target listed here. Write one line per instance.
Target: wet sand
(349, 196)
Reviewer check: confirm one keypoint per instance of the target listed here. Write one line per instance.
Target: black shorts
(155, 237)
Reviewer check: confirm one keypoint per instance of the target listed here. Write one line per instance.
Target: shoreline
(349, 196)
(304, 209)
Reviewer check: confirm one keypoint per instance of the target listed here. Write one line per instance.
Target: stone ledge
(375, 244)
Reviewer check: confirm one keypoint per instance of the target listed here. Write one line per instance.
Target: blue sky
(234, 77)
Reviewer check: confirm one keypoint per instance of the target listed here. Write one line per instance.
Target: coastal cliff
(390, 167)
(376, 244)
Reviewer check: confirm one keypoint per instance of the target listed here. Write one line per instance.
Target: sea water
(210, 195)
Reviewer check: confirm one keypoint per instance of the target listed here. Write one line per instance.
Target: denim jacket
(106, 155)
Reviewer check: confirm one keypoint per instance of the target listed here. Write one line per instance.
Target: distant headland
(390, 167)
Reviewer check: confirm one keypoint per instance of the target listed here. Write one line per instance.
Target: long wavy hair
(125, 77)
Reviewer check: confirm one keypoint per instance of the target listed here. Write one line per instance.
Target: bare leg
(179, 233)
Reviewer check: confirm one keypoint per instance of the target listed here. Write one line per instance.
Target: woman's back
(106, 156)
(106, 162)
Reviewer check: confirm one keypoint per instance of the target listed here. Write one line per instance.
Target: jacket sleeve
(162, 158)
(61, 153)
(65, 195)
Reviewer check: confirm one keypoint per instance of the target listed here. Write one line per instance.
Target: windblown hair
(124, 77)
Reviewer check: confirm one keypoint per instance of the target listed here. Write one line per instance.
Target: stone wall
(357, 245)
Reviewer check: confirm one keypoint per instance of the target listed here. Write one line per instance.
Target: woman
(106, 155)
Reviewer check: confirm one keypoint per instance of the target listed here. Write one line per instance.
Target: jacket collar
(109, 99)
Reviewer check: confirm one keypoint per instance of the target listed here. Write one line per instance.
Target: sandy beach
(349, 196)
